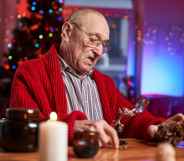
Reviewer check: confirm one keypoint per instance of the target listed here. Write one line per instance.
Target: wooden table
(136, 151)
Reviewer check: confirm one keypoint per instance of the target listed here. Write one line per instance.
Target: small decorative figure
(117, 123)
(139, 107)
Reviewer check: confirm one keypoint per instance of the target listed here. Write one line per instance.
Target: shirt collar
(68, 68)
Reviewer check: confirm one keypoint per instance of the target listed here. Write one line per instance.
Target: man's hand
(168, 128)
(176, 118)
(107, 134)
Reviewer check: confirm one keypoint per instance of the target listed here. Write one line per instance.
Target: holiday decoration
(32, 36)
(35, 34)
(172, 133)
(125, 114)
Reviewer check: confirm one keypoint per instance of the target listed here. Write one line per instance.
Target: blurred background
(145, 56)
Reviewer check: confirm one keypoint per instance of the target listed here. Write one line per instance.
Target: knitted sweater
(38, 84)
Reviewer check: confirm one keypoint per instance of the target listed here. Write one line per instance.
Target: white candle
(53, 140)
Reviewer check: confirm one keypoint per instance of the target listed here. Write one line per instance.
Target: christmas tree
(35, 34)
(32, 36)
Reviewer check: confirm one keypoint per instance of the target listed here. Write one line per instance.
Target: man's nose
(98, 50)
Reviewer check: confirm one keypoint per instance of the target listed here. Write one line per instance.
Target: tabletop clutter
(86, 143)
(21, 131)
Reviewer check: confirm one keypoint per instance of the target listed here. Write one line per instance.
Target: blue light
(59, 18)
(33, 8)
(34, 3)
(162, 73)
(50, 11)
(60, 1)
(14, 66)
(180, 144)
(37, 45)
(162, 68)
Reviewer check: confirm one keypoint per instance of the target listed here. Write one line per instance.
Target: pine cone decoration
(172, 133)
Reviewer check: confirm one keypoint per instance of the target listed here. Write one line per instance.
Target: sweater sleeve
(70, 120)
(137, 126)
(21, 97)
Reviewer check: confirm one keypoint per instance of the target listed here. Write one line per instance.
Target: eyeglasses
(94, 39)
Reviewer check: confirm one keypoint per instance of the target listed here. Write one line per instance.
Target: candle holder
(19, 130)
(85, 143)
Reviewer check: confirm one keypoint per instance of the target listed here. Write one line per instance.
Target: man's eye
(94, 40)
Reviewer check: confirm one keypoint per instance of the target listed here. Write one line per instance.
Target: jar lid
(22, 114)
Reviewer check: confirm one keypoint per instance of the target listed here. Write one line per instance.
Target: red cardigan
(38, 84)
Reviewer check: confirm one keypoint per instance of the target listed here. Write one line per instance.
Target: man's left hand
(152, 129)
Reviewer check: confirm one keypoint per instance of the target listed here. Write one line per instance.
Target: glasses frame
(92, 42)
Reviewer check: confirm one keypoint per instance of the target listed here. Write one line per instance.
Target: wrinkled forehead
(94, 23)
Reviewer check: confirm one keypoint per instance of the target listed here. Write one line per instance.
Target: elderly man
(66, 81)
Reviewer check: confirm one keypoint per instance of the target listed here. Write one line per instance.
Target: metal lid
(22, 114)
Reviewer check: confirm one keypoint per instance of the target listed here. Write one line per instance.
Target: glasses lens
(105, 44)
(94, 39)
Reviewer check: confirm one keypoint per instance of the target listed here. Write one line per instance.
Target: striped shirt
(82, 94)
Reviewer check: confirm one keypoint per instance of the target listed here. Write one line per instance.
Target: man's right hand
(107, 134)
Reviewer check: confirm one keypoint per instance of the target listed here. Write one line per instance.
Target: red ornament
(6, 66)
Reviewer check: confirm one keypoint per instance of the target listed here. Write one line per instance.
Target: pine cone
(172, 133)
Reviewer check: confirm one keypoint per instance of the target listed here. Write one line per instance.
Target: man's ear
(66, 31)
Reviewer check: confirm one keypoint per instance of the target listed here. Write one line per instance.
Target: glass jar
(86, 143)
(19, 130)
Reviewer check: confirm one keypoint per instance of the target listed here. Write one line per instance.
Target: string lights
(39, 30)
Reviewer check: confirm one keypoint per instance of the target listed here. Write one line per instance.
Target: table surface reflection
(136, 151)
